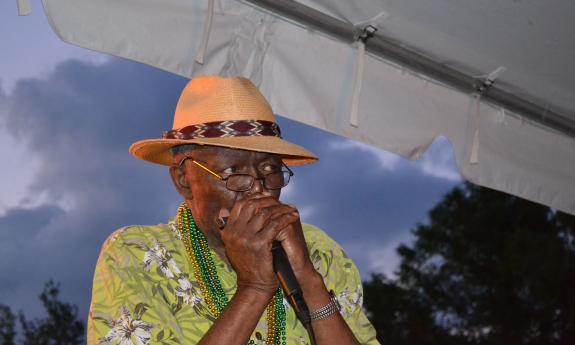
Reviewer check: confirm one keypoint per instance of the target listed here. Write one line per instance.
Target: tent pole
(391, 50)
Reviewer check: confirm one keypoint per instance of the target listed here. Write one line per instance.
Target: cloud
(20, 246)
(374, 254)
(76, 125)
(290, 194)
(438, 161)
(388, 161)
(35, 49)
(12, 154)
(385, 259)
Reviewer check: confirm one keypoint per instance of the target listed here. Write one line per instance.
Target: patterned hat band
(222, 129)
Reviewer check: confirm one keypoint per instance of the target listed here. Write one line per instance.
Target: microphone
(289, 283)
(286, 277)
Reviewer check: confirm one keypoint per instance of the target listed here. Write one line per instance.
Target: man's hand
(254, 223)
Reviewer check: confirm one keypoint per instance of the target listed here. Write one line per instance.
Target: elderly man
(207, 276)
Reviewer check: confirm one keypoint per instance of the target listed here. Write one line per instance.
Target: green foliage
(399, 316)
(488, 268)
(60, 327)
(7, 323)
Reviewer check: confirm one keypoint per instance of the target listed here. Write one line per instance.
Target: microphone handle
(289, 283)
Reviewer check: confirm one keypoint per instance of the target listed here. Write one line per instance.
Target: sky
(67, 117)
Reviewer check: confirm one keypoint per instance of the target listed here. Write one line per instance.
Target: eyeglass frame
(225, 179)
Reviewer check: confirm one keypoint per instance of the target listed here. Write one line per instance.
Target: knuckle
(258, 245)
(253, 205)
(243, 241)
(264, 212)
(273, 223)
(247, 205)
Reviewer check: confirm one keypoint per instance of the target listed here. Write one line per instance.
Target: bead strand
(206, 275)
(184, 225)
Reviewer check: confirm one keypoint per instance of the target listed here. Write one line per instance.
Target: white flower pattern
(166, 263)
(349, 302)
(184, 290)
(173, 226)
(127, 331)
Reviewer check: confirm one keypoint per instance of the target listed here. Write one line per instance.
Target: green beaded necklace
(207, 277)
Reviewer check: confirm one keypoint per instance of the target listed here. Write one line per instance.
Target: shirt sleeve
(140, 294)
(341, 276)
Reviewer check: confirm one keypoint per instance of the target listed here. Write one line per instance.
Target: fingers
(244, 208)
(265, 214)
(283, 216)
(249, 215)
(252, 206)
(239, 215)
(257, 213)
(280, 221)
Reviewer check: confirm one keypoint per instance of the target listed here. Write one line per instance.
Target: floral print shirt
(144, 291)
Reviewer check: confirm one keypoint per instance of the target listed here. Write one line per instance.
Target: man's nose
(258, 185)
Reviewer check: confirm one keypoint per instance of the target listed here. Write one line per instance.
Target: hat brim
(158, 150)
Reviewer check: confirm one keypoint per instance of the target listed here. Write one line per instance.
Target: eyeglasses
(245, 182)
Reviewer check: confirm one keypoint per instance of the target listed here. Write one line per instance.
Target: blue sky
(67, 117)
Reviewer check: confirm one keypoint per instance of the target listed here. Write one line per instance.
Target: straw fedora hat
(226, 112)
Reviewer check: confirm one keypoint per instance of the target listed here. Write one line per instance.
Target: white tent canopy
(495, 78)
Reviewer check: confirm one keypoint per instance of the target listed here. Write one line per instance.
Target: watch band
(329, 309)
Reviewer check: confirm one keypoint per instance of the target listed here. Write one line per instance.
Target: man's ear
(179, 181)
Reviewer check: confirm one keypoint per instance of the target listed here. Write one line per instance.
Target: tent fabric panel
(145, 35)
(403, 113)
(524, 159)
(308, 77)
(476, 37)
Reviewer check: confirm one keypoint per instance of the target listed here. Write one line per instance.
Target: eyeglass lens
(242, 182)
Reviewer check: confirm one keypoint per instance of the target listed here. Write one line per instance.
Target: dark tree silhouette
(399, 315)
(60, 327)
(7, 325)
(488, 268)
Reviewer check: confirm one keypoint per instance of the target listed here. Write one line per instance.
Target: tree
(399, 316)
(60, 327)
(7, 322)
(488, 268)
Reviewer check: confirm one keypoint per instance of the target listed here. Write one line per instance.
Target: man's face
(209, 195)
